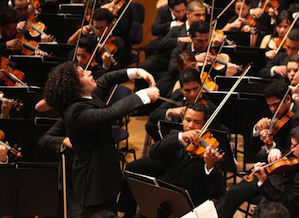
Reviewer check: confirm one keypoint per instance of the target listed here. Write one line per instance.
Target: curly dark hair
(63, 86)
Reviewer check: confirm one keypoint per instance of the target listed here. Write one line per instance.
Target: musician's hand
(67, 143)
(274, 155)
(218, 40)
(40, 53)
(201, 57)
(231, 69)
(191, 136)
(272, 12)
(153, 93)
(86, 30)
(295, 97)
(47, 38)
(6, 107)
(184, 39)
(20, 26)
(270, 54)
(236, 24)
(143, 74)
(265, 136)
(262, 124)
(14, 44)
(210, 157)
(106, 60)
(282, 70)
(260, 172)
(3, 153)
(179, 112)
(257, 12)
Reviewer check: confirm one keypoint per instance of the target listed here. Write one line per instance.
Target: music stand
(239, 37)
(29, 189)
(158, 199)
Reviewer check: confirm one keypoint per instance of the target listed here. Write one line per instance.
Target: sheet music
(205, 210)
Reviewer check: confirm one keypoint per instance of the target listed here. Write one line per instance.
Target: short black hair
(276, 89)
(88, 42)
(294, 34)
(103, 14)
(173, 3)
(200, 107)
(271, 210)
(295, 133)
(8, 16)
(189, 75)
(201, 27)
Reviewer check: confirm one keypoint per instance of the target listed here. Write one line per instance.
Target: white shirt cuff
(208, 171)
(255, 132)
(272, 71)
(5, 161)
(131, 72)
(143, 96)
(181, 140)
(259, 183)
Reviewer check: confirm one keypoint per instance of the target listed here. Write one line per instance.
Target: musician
(293, 69)
(96, 171)
(169, 16)
(190, 86)
(281, 189)
(8, 23)
(276, 68)
(103, 18)
(22, 8)
(270, 210)
(199, 35)
(200, 176)
(271, 42)
(159, 60)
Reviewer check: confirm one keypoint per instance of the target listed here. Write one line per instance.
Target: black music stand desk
(158, 199)
(29, 189)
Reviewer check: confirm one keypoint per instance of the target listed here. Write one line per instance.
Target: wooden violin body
(206, 140)
(17, 73)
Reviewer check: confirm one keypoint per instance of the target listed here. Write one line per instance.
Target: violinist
(293, 69)
(276, 68)
(103, 18)
(243, 21)
(282, 188)
(22, 8)
(189, 87)
(199, 176)
(272, 42)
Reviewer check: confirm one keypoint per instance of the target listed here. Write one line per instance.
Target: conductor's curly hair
(63, 86)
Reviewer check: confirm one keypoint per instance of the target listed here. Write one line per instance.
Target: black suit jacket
(186, 172)
(96, 171)
(279, 59)
(282, 137)
(162, 22)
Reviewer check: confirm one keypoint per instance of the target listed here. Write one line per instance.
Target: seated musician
(199, 176)
(190, 87)
(293, 69)
(276, 68)
(282, 188)
(199, 34)
(84, 52)
(270, 209)
(271, 42)
(22, 8)
(103, 18)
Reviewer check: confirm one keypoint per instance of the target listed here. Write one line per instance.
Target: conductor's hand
(153, 93)
(143, 74)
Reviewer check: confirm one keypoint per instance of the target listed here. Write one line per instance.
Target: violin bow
(100, 44)
(241, 9)
(209, 121)
(82, 24)
(286, 35)
(223, 11)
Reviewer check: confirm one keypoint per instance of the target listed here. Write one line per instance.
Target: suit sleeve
(161, 25)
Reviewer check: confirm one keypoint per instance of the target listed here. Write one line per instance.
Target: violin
(280, 166)
(208, 84)
(248, 24)
(221, 33)
(28, 46)
(117, 7)
(12, 150)
(206, 140)
(281, 122)
(267, 4)
(17, 73)
(16, 104)
(278, 41)
(111, 48)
